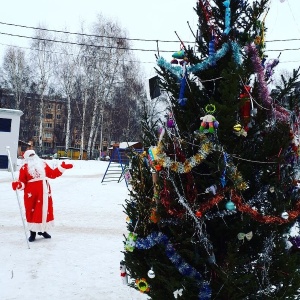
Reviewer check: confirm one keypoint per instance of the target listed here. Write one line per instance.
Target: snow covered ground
(82, 259)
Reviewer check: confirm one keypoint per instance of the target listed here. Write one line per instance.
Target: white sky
(155, 19)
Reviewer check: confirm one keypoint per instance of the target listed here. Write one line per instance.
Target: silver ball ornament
(285, 215)
(253, 112)
(151, 274)
(272, 189)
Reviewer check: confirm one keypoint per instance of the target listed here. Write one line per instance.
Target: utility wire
(82, 44)
(68, 54)
(114, 37)
(115, 47)
(89, 35)
(131, 60)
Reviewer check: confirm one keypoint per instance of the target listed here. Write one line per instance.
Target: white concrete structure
(9, 136)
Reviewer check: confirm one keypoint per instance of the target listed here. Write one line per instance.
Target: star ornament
(178, 293)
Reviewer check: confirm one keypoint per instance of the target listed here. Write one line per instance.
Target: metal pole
(101, 133)
(17, 193)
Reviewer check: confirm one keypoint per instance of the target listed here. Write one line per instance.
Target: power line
(89, 35)
(114, 37)
(68, 54)
(115, 47)
(144, 62)
(82, 44)
(284, 40)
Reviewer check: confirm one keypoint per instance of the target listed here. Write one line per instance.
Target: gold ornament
(237, 127)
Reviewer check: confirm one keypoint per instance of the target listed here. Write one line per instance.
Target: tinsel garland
(206, 147)
(205, 64)
(240, 206)
(212, 202)
(236, 177)
(292, 214)
(183, 267)
(219, 214)
(163, 160)
(279, 112)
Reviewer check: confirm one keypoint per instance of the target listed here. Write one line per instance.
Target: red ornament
(246, 105)
(198, 214)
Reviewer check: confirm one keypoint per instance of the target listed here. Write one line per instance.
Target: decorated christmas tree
(214, 201)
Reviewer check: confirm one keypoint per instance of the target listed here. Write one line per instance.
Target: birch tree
(42, 60)
(66, 71)
(105, 59)
(16, 73)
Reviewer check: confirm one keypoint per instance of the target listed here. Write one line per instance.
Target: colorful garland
(279, 112)
(163, 160)
(293, 214)
(206, 147)
(183, 267)
(178, 71)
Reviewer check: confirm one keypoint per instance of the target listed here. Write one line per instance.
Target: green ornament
(130, 241)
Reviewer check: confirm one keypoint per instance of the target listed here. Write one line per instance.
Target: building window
(48, 135)
(49, 106)
(58, 106)
(49, 125)
(58, 117)
(5, 125)
(47, 145)
(3, 161)
(49, 116)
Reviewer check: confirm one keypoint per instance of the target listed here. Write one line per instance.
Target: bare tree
(66, 71)
(42, 60)
(104, 60)
(15, 73)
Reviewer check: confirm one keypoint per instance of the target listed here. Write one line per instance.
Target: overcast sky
(155, 19)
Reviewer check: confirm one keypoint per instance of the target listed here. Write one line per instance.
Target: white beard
(36, 167)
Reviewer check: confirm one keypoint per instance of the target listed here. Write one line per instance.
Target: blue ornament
(227, 16)
(182, 101)
(230, 205)
(212, 51)
(179, 54)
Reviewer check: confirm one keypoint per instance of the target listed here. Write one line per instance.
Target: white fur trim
(22, 186)
(40, 227)
(27, 153)
(61, 169)
(45, 202)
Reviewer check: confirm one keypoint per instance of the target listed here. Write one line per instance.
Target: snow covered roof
(124, 145)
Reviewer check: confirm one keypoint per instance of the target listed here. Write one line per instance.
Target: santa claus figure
(33, 179)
